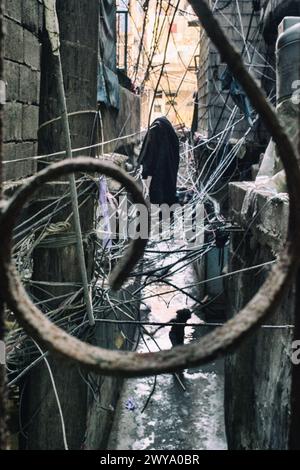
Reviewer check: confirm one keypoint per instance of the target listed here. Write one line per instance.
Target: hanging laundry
(238, 95)
(108, 82)
(160, 159)
(104, 210)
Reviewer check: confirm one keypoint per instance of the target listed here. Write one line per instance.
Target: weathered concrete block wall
(78, 22)
(101, 409)
(23, 23)
(211, 98)
(124, 122)
(258, 375)
(88, 401)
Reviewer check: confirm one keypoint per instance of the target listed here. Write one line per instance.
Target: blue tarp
(108, 83)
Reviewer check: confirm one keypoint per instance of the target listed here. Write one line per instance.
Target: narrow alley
(164, 412)
(149, 228)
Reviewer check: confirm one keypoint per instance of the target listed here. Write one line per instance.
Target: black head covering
(160, 159)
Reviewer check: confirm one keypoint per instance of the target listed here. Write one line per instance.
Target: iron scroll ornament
(130, 364)
(104, 361)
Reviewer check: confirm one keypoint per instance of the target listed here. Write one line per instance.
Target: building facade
(161, 57)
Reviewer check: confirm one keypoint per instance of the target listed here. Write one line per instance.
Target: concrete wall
(24, 27)
(211, 98)
(124, 122)
(213, 115)
(102, 408)
(263, 413)
(87, 401)
(79, 42)
(23, 23)
(258, 376)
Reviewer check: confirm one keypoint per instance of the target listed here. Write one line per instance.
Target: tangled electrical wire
(67, 309)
